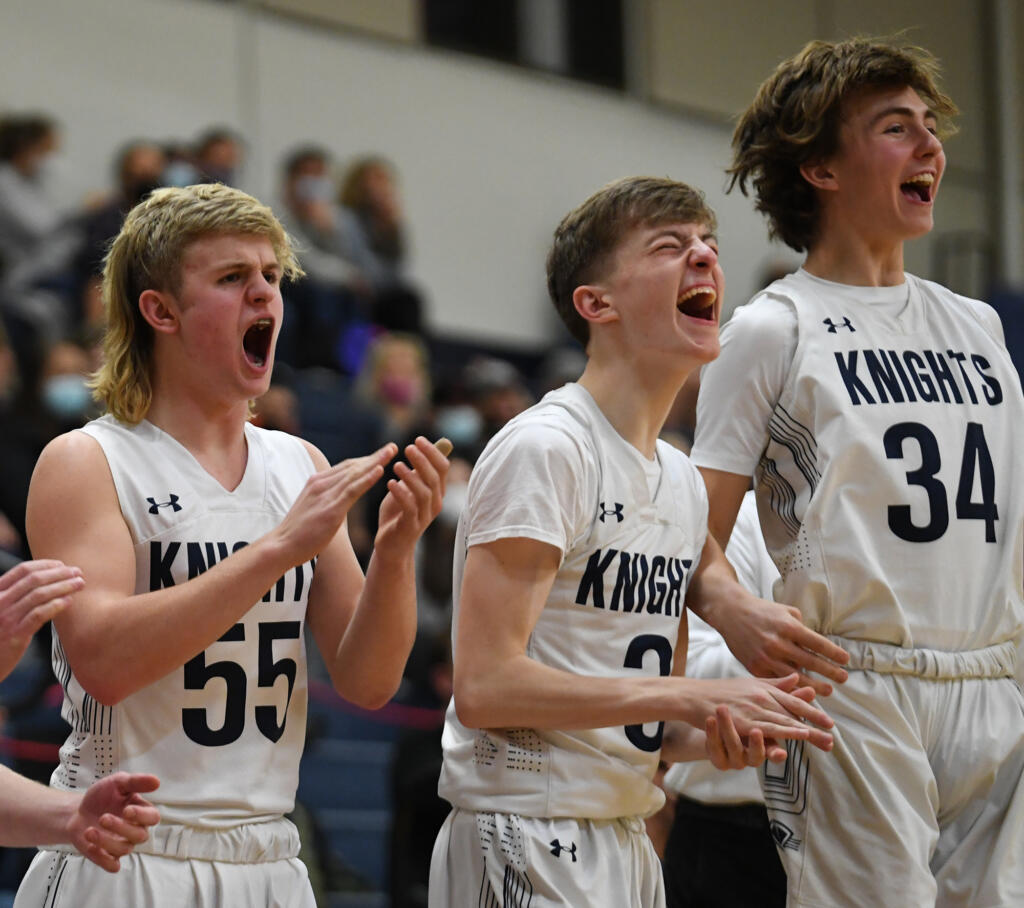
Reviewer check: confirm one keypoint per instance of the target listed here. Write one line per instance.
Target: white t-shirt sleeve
(533, 483)
(747, 553)
(739, 390)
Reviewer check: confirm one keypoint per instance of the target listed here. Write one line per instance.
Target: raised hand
(31, 593)
(322, 505)
(414, 495)
(112, 818)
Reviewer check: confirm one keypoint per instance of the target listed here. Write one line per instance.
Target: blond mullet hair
(147, 255)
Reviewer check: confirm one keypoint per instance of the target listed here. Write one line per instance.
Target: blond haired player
(208, 548)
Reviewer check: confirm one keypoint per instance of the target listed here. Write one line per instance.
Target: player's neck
(635, 401)
(214, 435)
(846, 258)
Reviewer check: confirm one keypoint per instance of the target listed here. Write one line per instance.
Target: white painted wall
(491, 156)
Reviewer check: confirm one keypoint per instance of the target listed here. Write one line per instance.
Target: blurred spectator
(372, 214)
(498, 392)
(560, 366)
(396, 380)
(218, 156)
(334, 295)
(36, 240)
(138, 169)
(372, 224)
(49, 397)
(181, 168)
(28, 216)
(64, 389)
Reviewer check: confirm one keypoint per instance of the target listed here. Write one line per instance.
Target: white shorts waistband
(249, 843)
(996, 661)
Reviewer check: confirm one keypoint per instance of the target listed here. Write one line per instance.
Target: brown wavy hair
(588, 236)
(795, 119)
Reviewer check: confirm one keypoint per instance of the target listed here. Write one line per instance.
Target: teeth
(262, 323)
(925, 179)
(697, 291)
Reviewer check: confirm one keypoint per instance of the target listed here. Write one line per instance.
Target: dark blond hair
(147, 255)
(796, 115)
(588, 236)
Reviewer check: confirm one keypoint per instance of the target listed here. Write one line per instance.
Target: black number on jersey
(638, 647)
(198, 673)
(976, 462)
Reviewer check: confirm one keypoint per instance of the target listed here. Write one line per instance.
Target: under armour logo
(833, 327)
(154, 505)
(615, 512)
(557, 848)
(783, 835)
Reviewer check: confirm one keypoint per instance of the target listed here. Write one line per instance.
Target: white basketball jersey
(225, 731)
(888, 491)
(560, 473)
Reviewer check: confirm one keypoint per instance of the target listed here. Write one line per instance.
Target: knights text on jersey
(887, 490)
(225, 731)
(560, 473)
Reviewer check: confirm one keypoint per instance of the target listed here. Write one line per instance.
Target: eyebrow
(236, 265)
(929, 114)
(676, 234)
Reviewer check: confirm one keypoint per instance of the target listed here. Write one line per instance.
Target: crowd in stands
(356, 366)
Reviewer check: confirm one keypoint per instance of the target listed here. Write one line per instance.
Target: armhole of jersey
(119, 491)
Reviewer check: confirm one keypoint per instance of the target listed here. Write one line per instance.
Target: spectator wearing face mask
(219, 155)
(335, 293)
(139, 169)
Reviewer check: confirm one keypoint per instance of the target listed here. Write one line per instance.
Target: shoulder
(77, 452)
(555, 429)
(978, 310)
(768, 321)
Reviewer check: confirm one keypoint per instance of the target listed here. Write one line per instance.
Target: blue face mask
(461, 425)
(66, 396)
(180, 173)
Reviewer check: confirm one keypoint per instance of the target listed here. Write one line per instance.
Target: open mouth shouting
(919, 188)
(698, 302)
(256, 342)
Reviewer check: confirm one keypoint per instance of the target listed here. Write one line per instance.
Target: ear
(593, 304)
(820, 175)
(159, 311)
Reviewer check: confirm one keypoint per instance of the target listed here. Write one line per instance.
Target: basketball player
(573, 555)
(880, 416)
(207, 547)
(112, 817)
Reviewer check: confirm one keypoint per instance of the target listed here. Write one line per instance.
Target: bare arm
(117, 647)
(505, 586)
(769, 638)
(365, 629)
(104, 824)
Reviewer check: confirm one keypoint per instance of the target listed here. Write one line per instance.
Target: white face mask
(314, 189)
